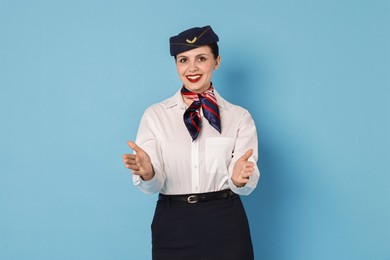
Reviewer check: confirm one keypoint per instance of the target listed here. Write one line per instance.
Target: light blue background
(76, 76)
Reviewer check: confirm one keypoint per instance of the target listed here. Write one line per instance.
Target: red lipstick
(194, 78)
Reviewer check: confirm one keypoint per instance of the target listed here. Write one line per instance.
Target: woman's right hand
(139, 163)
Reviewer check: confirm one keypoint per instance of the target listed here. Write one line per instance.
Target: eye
(202, 58)
(182, 60)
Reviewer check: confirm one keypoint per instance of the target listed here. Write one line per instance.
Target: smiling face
(195, 68)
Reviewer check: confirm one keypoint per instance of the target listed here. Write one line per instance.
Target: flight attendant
(199, 152)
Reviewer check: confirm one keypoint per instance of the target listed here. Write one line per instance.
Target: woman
(199, 152)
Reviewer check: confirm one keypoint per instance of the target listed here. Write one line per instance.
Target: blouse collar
(177, 100)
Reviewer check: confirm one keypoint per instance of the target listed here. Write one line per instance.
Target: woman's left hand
(243, 169)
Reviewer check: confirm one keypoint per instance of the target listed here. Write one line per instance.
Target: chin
(195, 87)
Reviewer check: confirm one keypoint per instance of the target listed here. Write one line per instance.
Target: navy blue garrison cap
(191, 39)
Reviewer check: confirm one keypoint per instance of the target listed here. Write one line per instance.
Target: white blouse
(183, 166)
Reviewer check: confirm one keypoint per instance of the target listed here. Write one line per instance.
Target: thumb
(133, 146)
(247, 155)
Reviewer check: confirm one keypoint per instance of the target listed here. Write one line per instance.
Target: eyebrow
(201, 54)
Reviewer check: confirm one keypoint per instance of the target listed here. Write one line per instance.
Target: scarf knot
(208, 103)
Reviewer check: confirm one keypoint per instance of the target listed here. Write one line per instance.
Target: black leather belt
(198, 197)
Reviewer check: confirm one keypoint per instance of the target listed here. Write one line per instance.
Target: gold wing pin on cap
(192, 41)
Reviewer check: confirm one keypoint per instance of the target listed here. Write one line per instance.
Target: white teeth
(193, 77)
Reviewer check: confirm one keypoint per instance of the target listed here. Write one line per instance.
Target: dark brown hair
(214, 50)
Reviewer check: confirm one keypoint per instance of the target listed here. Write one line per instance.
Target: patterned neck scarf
(208, 103)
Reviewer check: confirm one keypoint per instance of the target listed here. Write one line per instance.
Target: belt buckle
(193, 199)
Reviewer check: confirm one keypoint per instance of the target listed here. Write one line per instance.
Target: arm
(243, 171)
(147, 167)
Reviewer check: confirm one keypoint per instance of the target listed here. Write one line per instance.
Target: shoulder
(230, 107)
(164, 105)
(234, 114)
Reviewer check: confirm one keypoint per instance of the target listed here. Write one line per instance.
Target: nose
(193, 67)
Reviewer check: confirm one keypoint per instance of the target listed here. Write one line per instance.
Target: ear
(217, 62)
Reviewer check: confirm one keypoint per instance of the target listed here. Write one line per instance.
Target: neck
(202, 90)
(189, 95)
(187, 101)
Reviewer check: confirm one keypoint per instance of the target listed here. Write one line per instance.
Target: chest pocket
(218, 154)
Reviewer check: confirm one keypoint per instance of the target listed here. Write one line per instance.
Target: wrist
(238, 185)
(148, 176)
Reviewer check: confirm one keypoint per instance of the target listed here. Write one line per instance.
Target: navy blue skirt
(210, 230)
